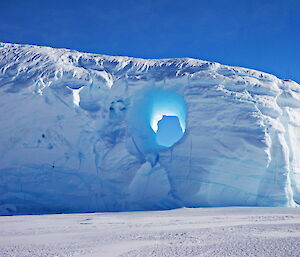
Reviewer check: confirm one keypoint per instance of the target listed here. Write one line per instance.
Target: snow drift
(83, 132)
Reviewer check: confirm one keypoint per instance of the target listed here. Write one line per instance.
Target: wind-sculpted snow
(76, 135)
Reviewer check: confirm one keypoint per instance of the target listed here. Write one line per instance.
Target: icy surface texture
(76, 135)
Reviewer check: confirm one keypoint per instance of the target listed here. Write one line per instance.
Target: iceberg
(83, 132)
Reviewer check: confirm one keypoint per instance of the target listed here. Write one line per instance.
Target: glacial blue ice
(147, 109)
(83, 132)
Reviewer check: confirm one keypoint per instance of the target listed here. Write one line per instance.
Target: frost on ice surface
(82, 132)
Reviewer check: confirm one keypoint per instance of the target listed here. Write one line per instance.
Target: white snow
(264, 232)
(76, 135)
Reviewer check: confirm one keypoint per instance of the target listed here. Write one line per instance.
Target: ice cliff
(84, 132)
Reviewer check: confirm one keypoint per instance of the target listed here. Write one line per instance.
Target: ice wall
(76, 135)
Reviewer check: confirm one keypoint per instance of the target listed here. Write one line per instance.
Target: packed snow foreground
(84, 132)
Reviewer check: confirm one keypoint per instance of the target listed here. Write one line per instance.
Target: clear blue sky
(259, 34)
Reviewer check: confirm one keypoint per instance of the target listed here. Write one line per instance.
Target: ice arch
(157, 119)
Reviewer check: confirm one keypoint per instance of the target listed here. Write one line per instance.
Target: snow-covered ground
(229, 231)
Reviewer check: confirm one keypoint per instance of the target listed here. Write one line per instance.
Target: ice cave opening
(157, 119)
(168, 131)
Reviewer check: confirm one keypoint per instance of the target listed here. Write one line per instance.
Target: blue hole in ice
(169, 131)
(157, 119)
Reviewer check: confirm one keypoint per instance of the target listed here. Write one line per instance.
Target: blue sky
(259, 34)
